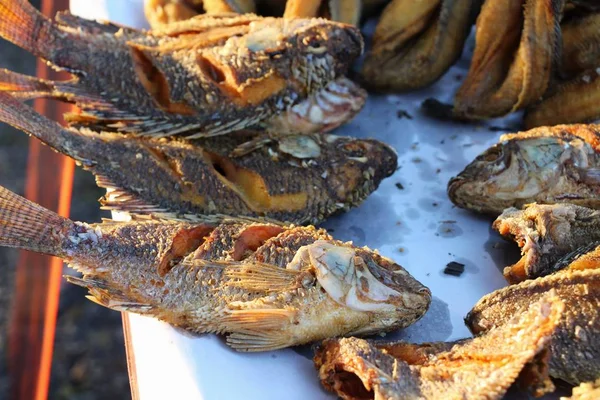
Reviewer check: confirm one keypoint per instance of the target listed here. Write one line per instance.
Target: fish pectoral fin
(251, 145)
(102, 293)
(258, 329)
(255, 276)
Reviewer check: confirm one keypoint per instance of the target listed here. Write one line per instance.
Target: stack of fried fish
(212, 132)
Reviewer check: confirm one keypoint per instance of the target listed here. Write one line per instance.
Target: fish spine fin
(29, 226)
(24, 87)
(23, 25)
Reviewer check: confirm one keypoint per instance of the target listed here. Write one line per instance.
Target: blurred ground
(89, 355)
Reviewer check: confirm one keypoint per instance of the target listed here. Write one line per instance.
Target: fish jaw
(337, 103)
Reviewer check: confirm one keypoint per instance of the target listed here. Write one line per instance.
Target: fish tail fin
(23, 25)
(25, 87)
(26, 119)
(29, 226)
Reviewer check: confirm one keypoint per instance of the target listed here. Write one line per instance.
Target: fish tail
(26, 119)
(29, 226)
(25, 87)
(23, 25)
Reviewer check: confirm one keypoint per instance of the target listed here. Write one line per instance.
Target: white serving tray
(417, 226)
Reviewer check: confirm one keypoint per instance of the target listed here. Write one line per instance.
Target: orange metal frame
(33, 322)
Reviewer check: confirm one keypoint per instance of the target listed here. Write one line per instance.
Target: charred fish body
(268, 286)
(559, 164)
(547, 234)
(575, 349)
(205, 76)
(179, 179)
(480, 368)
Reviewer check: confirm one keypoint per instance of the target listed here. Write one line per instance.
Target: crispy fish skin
(572, 101)
(575, 344)
(208, 75)
(416, 42)
(583, 257)
(513, 60)
(480, 368)
(268, 286)
(178, 179)
(548, 165)
(546, 233)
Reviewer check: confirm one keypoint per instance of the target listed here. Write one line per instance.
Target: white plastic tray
(417, 226)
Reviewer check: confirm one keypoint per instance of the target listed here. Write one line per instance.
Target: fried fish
(517, 48)
(179, 179)
(559, 164)
(547, 234)
(416, 42)
(206, 76)
(575, 346)
(479, 368)
(266, 286)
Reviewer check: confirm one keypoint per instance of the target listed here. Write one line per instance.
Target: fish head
(362, 291)
(516, 171)
(354, 168)
(317, 50)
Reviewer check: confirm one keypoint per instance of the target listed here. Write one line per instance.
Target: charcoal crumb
(434, 204)
(399, 186)
(437, 171)
(403, 114)
(454, 268)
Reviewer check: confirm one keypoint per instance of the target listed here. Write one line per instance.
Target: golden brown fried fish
(575, 345)
(480, 368)
(266, 285)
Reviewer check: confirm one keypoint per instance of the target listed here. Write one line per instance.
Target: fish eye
(493, 154)
(314, 45)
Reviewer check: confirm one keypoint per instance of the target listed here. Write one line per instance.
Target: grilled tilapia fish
(209, 75)
(575, 346)
(480, 368)
(559, 164)
(546, 233)
(179, 179)
(268, 286)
